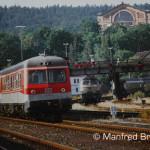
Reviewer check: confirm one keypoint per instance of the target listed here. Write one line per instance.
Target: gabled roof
(143, 54)
(122, 5)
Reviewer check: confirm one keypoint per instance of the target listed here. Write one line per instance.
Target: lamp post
(92, 59)
(66, 44)
(9, 62)
(111, 57)
(20, 35)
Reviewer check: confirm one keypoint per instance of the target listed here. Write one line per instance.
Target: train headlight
(63, 90)
(33, 91)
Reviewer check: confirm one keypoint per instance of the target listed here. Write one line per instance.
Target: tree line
(54, 16)
(89, 40)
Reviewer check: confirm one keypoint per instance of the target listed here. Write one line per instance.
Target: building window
(124, 17)
(77, 80)
(74, 80)
(77, 90)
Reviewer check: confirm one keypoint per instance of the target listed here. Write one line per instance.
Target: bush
(136, 95)
(146, 114)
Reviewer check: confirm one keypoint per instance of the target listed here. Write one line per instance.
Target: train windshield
(47, 76)
(91, 82)
(56, 76)
(86, 82)
(94, 82)
(37, 76)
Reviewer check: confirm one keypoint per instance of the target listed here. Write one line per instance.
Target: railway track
(33, 142)
(88, 127)
(110, 127)
(92, 129)
(86, 115)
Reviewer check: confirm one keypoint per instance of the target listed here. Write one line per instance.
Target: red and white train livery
(40, 84)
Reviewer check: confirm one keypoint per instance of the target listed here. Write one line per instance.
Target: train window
(94, 82)
(7, 83)
(4, 83)
(19, 80)
(10, 82)
(14, 81)
(86, 82)
(56, 75)
(37, 77)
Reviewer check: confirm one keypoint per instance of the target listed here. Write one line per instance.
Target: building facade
(123, 14)
(75, 85)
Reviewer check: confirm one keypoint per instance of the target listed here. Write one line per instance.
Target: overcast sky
(44, 3)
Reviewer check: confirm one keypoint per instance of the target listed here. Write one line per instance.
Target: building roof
(122, 5)
(36, 62)
(143, 54)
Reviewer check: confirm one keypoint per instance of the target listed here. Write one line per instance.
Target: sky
(74, 3)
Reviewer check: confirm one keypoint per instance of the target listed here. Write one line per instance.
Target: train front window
(94, 82)
(56, 76)
(86, 82)
(37, 77)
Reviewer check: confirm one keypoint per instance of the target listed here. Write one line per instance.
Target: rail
(35, 142)
(90, 130)
(122, 128)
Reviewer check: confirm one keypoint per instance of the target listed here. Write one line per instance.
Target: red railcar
(40, 84)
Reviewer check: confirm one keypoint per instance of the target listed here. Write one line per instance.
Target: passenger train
(39, 85)
(91, 91)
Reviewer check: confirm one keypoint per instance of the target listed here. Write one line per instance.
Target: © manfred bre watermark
(123, 136)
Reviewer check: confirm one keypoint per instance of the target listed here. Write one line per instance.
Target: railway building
(143, 55)
(123, 14)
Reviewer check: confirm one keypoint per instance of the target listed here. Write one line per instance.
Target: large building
(123, 14)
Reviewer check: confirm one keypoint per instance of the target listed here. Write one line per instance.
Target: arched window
(123, 17)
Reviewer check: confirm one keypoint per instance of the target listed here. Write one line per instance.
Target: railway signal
(67, 60)
(110, 67)
(140, 66)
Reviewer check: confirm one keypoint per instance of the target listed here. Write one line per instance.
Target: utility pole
(20, 35)
(66, 44)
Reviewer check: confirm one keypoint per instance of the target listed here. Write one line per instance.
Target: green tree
(9, 48)
(87, 51)
(89, 25)
(102, 52)
(31, 46)
(137, 38)
(54, 42)
(123, 54)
